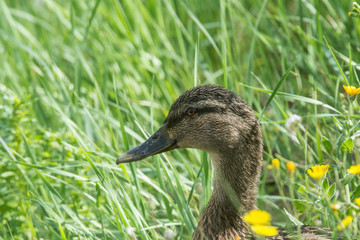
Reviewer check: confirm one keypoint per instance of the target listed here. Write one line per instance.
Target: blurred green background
(81, 82)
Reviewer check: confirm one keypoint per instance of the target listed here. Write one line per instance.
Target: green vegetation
(83, 81)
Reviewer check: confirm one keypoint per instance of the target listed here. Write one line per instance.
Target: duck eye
(191, 111)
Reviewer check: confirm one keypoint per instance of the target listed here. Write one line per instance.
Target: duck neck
(235, 190)
(236, 178)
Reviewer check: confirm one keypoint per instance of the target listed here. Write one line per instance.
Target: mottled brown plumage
(224, 129)
(219, 122)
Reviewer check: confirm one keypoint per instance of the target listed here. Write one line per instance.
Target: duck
(218, 121)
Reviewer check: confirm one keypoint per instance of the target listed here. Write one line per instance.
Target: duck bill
(159, 142)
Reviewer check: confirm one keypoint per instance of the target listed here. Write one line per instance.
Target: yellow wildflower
(257, 217)
(354, 169)
(345, 222)
(46, 154)
(290, 167)
(237, 238)
(335, 207)
(268, 231)
(318, 171)
(351, 90)
(17, 100)
(357, 201)
(275, 163)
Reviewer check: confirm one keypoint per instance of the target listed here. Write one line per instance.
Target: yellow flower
(345, 222)
(237, 238)
(351, 90)
(17, 100)
(268, 231)
(335, 207)
(291, 167)
(318, 171)
(354, 169)
(46, 154)
(257, 217)
(357, 201)
(275, 163)
(260, 222)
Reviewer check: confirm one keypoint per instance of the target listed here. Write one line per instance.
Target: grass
(83, 81)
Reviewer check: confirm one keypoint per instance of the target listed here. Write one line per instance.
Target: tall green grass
(84, 81)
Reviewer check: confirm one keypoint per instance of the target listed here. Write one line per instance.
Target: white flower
(169, 234)
(131, 232)
(154, 60)
(292, 122)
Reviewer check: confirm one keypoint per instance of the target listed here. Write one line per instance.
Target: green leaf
(337, 123)
(327, 144)
(278, 85)
(325, 184)
(301, 189)
(356, 134)
(331, 190)
(302, 205)
(337, 63)
(63, 236)
(347, 179)
(356, 192)
(293, 219)
(347, 145)
(49, 186)
(294, 97)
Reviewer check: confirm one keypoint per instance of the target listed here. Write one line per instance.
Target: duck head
(209, 118)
